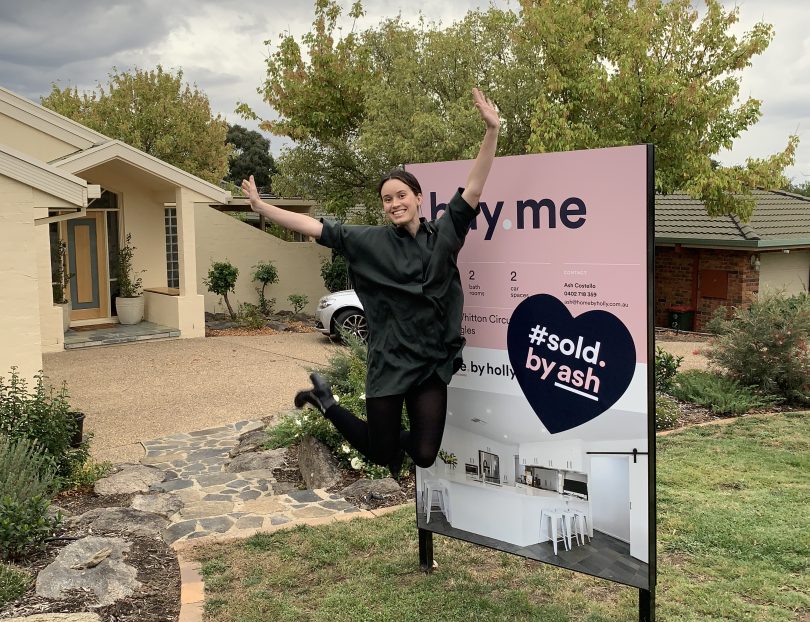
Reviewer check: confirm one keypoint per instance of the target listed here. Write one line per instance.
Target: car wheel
(352, 322)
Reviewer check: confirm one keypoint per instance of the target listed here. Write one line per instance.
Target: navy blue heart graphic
(571, 370)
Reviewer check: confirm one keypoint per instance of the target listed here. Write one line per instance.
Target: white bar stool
(580, 521)
(440, 490)
(569, 519)
(556, 520)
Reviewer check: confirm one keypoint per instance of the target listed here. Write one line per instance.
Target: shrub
(24, 525)
(130, 285)
(722, 395)
(767, 345)
(14, 582)
(43, 415)
(250, 316)
(85, 475)
(666, 366)
(666, 412)
(61, 276)
(298, 302)
(265, 273)
(25, 479)
(335, 273)
(221, 280)
(25, 471)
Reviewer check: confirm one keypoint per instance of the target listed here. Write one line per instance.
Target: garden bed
(157, 600)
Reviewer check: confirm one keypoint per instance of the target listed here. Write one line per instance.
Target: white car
(341, 312)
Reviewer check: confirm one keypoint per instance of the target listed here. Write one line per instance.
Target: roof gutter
(93, 193)
(739, 244)
(79, 213)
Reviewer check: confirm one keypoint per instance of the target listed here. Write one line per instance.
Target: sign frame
(646, 593)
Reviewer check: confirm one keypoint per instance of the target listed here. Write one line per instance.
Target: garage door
(786, 272)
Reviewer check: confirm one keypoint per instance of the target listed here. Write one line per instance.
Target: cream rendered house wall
(141, 200)
(31, 141)
(20, 336)
(784, 272)
(141, 214)
(221, 237)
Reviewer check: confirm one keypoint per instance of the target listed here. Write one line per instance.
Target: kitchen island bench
(510, 513)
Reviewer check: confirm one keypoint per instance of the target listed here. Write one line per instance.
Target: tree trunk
(230, 309)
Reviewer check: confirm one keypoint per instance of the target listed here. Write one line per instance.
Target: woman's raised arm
(300, 223)
(486, 154)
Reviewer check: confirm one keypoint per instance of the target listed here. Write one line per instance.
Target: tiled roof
(777, 217)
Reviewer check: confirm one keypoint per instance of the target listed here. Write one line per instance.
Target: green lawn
(733, 533)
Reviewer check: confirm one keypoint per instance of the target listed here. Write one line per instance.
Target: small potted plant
(129, 303)
(61, 284)
(449, 459)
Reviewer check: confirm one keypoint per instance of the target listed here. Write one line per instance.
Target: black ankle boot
(320, 396)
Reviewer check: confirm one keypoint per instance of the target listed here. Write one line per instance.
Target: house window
(53, 232)
(172, 254)
(112, 255)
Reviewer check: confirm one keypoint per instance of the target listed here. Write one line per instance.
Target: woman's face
(401, 205)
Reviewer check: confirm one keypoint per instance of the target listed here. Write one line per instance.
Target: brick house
(702, 263)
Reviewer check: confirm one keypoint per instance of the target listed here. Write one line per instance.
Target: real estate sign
(550, 419)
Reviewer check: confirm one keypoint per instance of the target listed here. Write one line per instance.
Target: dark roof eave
(742, 244)
(707, 242)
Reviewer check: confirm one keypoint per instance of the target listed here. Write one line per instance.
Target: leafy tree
(251, 156)
(565, 75)
(802, 188)
(221, 280)
(335, 272)
(155, 112)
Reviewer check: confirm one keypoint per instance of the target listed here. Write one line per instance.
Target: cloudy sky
(220, 47)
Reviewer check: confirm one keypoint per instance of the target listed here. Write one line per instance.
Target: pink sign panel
(549, 415)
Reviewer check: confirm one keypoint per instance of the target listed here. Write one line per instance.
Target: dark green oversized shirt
(411, 292)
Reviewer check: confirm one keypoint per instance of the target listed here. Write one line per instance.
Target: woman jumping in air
(407, 279)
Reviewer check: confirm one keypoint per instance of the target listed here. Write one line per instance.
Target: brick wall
(677, 281)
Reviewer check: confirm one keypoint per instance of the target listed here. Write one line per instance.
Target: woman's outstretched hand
(251, 192)
(487, 110)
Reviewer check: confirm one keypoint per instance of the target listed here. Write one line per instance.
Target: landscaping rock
(318, 466)
(266, 460)
(110, 580)
(379, 487)
(122, 520)
(249, 441)
(131, 478)
(163, 504)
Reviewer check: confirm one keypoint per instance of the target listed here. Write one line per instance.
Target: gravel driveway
(137, 392)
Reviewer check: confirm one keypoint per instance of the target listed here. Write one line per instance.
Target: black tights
(381, 438)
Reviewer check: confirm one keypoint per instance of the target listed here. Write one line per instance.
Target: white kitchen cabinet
(559, 455)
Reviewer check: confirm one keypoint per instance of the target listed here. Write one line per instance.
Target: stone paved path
(217, 502)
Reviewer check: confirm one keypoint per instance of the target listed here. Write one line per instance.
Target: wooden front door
(87, 259)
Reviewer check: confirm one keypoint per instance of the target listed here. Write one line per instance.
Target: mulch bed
(291, 473)
(666, 334)
(158, 598)
(221, 325)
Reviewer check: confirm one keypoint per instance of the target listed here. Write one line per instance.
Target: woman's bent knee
(424, 459)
